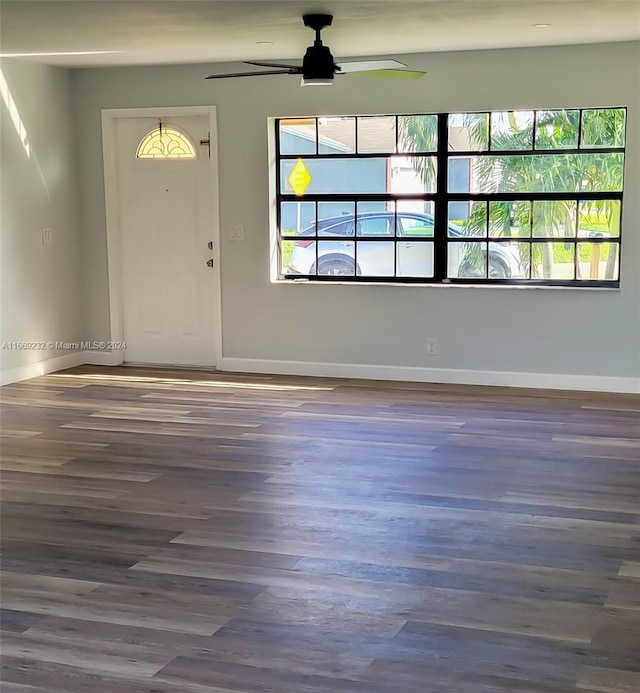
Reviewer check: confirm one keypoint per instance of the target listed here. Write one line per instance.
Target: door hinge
(207, 143)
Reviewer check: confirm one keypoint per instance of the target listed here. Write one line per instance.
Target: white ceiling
(207, 31)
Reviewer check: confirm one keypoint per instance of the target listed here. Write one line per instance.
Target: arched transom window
(166, 142)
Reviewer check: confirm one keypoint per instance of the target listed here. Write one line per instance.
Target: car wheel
(497, 269)
(470, 270)
(336, 267)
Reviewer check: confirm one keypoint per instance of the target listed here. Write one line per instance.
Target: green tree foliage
(548, 170)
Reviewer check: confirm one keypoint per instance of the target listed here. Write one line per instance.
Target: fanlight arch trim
(166, 142)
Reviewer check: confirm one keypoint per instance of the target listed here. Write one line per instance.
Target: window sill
(445, 285)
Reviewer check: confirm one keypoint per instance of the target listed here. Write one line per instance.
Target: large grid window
(520, 197)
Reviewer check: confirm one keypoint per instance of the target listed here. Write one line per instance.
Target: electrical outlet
(432, 347)
(47, 235)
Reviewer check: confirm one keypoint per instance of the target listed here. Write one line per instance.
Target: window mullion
(441, 202)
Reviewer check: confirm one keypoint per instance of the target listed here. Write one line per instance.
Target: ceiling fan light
(316, 81)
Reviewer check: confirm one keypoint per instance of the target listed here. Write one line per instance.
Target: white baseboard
(550, 381)
(32, 370)
(103, 358)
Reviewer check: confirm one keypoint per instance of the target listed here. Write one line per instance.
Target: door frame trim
(112, 216)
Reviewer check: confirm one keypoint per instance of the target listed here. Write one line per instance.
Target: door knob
(210, 262)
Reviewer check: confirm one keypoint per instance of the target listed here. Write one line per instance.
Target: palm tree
(420, 134)
(550, 170)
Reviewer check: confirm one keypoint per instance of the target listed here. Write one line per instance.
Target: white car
(373, 256)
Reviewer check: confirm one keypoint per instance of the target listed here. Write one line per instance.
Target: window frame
(441, 197)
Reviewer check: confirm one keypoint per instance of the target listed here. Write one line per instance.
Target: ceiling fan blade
(362, 65)
(280, 65)
(253, 74)
(395, 74)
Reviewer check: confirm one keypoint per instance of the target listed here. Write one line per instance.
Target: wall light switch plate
(237, 233)
(47, 235)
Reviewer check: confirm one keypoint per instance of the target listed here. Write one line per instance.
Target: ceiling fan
(318, 66)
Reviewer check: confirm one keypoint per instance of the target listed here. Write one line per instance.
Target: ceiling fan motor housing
(318, 63)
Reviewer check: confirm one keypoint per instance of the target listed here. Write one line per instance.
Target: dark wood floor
(183, 531)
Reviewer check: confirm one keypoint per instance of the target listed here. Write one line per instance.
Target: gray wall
(581, 332)
(40, 283)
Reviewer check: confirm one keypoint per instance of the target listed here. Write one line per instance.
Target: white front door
(166, 225)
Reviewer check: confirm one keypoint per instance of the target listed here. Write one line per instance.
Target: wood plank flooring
(168, 531)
